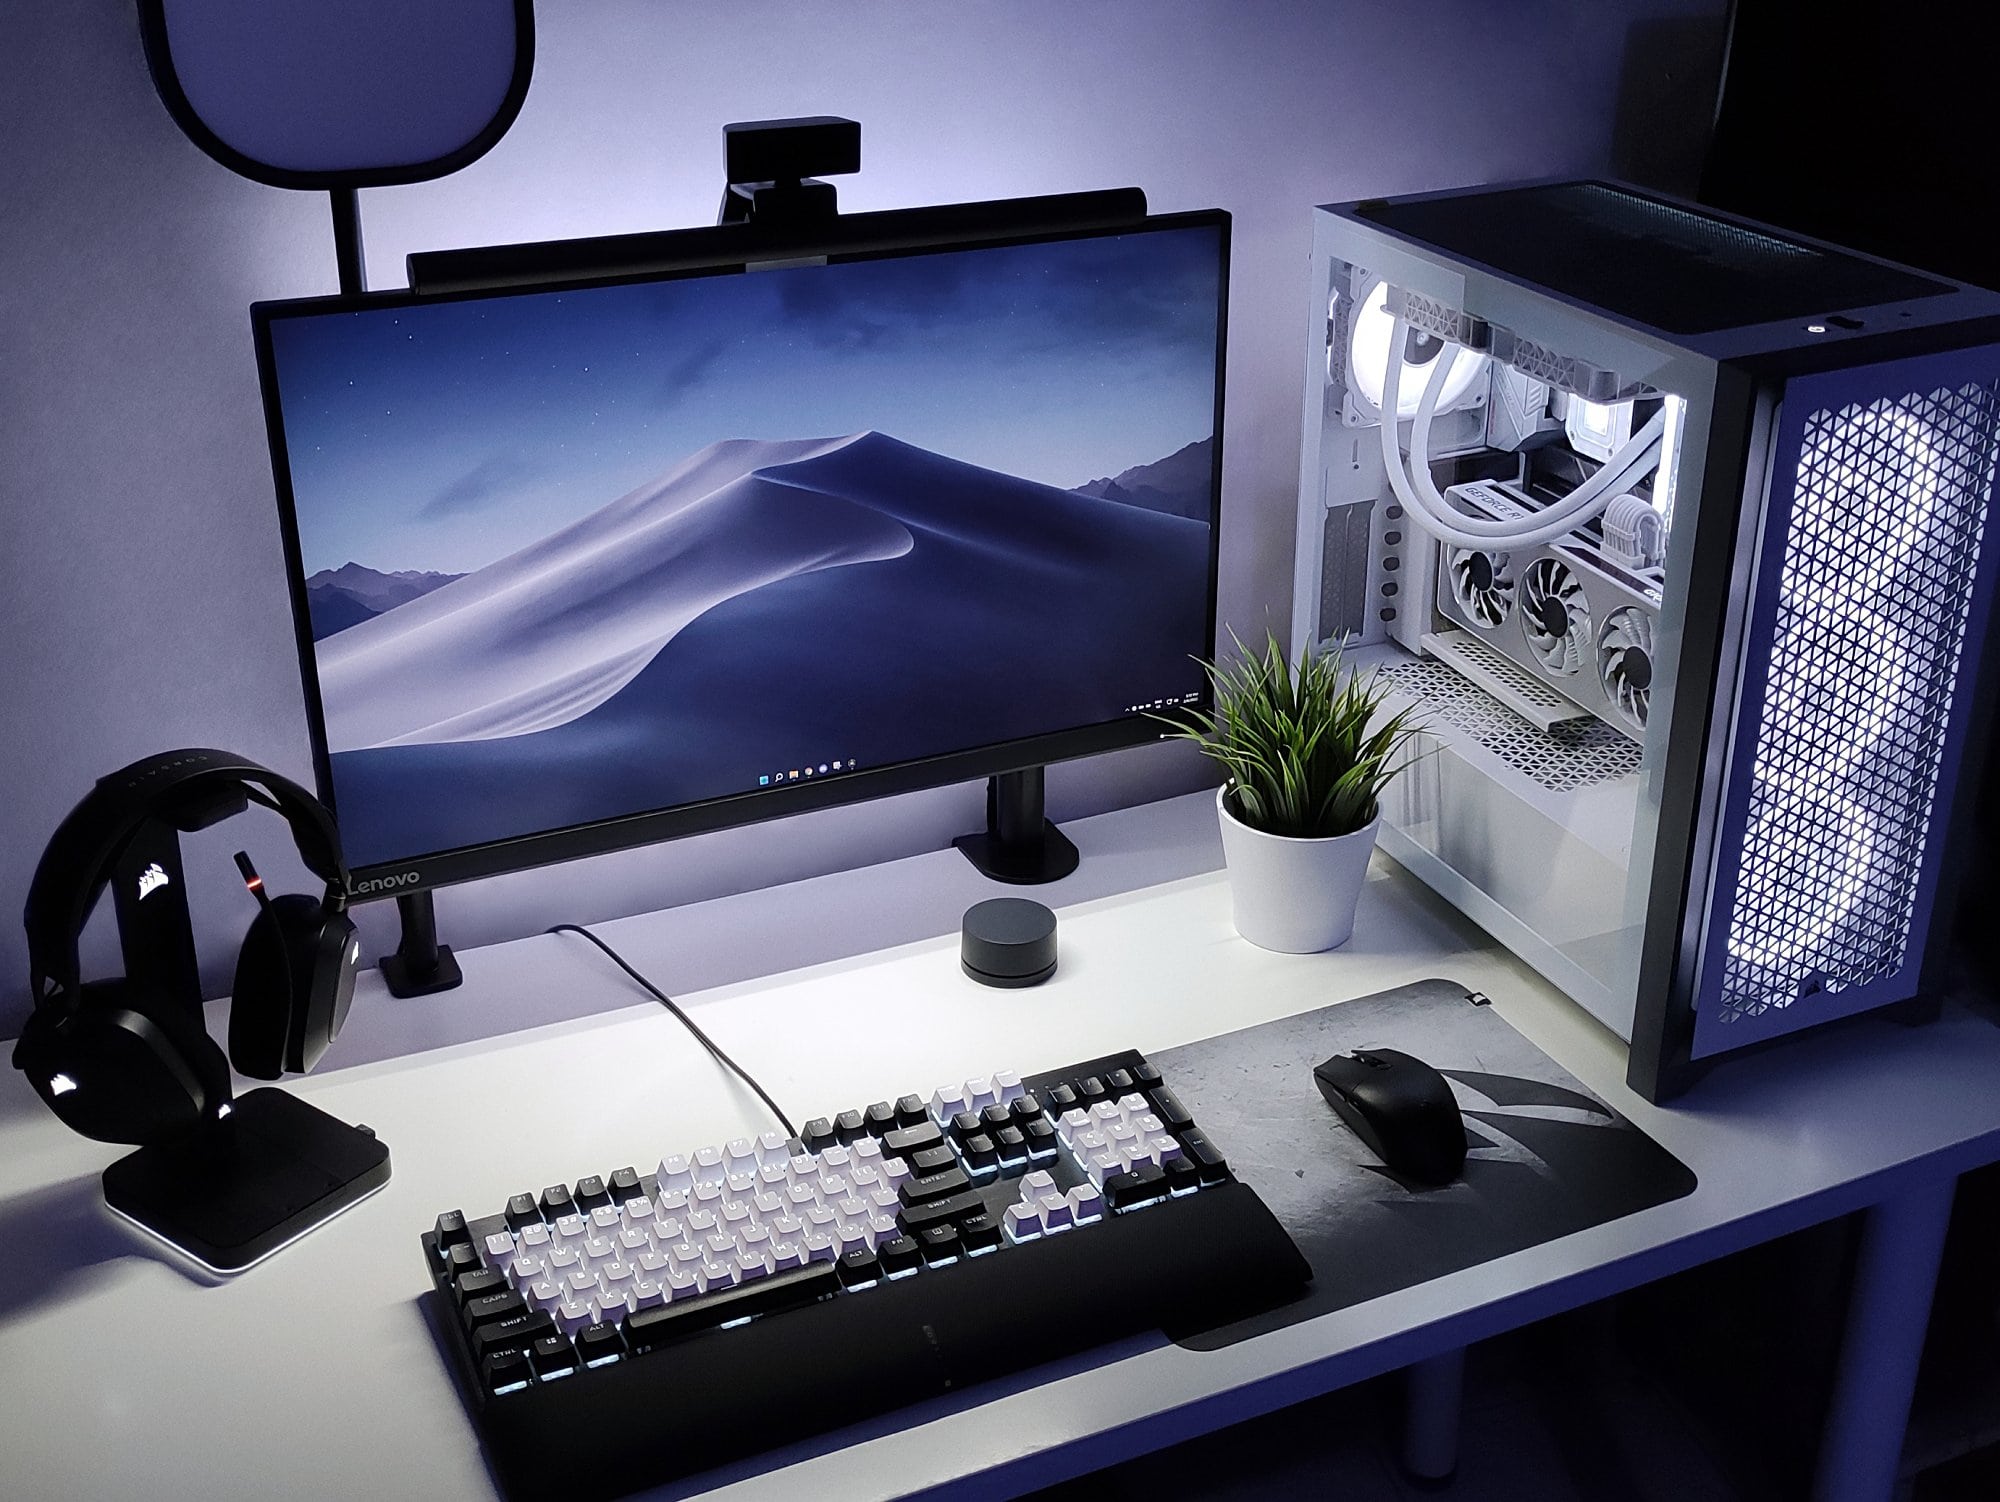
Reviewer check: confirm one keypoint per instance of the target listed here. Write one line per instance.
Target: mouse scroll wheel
(1373, 1061)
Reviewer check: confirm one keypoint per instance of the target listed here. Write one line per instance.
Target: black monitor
(583, 566)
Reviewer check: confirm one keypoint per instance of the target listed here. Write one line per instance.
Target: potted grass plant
(1308, 752)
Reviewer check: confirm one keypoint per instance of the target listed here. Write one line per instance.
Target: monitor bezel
(429, 870)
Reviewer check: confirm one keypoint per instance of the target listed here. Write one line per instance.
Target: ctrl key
(505, 1372)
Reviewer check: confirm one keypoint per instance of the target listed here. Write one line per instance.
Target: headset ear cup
(323, 973)
(123, 1068)
(263, 1005)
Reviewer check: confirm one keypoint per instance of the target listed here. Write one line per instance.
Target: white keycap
(668, 1228)
(578, 1280)
(672, 1202)
(801, 1196)
(851, 1236)
(536, 1234)
(754, 1236)
(750, 1263)
(571, 1229)
(1124, 1136)
(1008, 1084)
(882, 1197)
(605, 1219)
(639, 1211)
(563, 1258)
(834, 1188)
(849, 1208)
(525, 1270)
(572, 1314)
(699, 1222)
(1035, 1184)
(895, 1172)
(1021, 1223)
(1086, 1203)
(818, 1246)
(683, 1282)
(786, 1226)
(735, 1213)
(764, 1205)
(881, 1225)
(717, 1244)
(612, 1305)
(866, 1150)
(738, 1153)
(979, 1094)
(1101, 1165)
(821, 1217)
(675, 1173)
(1148, 1123)
(616, 1275)
(647, 1293)
(864, 1178)
(543, 1293)
(500, 1248)
(773, 1148)
(1134, 1104)
(774, 1176)
(835, 1158)
(631, 1240)
(1071, 1122)
(786, 1255)
(947, 1103)
(741, 1185)
(684, 1254)
(717, 1273)
(708, 1167)
(1106, 1112)
(598, 1249)
(652, 1262)
(1053, 1212)
(709, 1195)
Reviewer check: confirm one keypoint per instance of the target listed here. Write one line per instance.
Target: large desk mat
(1544, 1158)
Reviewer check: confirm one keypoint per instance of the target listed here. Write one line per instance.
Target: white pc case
(1679, 545)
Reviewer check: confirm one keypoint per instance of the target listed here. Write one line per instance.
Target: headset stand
(241, 1188)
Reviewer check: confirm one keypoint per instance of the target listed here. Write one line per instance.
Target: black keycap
(995, 1117)
(932, 1160)
(940, 1244)
(880, 1118)
(505, 1371)
(595, 1343)
(590, 1193)
(980, 1151)
(461, 1259)
(552, 1356)
(556, 1203)
(1060, 1098)
(849, 1126)
(965, 1123)
(492, 1306)
(1118, 1081)
(1145, 1074)
(1042, 1139)
(818, 1134)
(1214, 1168)
(1182, 1174)
(521, 1212)
(515, 1333)
(900, 1254)
(477, 1283)
(859, 1266)
(1025, 1109)
(451, 1231)
(938, 1212)
(1146, 1182)
(651, 1328)
(1011, 1142)
(625, 1185)
(1167, 1106)
(933, 1186)
(912, 1139)
(979, 1230)
(910, 1112)
(1091, 1090)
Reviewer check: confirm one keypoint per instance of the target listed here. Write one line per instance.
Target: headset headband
(78, 861)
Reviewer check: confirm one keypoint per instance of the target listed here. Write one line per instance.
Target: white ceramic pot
(1292, 895)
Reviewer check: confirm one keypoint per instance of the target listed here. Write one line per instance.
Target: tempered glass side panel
(1543, 670)
(1873, 593)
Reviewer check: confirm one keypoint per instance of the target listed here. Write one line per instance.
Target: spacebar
(1187, 1263)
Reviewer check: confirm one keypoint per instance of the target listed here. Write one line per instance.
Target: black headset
(125, 1060)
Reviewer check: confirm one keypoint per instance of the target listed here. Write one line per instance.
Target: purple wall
(142, 597)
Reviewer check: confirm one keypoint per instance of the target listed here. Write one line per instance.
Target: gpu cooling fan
(1483, 585)
(1555, 617)
(1625, 662)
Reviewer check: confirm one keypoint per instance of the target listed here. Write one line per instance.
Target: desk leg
(1434, 1391)
(1902, 1240)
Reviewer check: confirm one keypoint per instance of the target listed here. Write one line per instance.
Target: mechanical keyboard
(637, 1327)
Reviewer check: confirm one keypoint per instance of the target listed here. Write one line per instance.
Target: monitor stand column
(1019, 844)
(420, 964)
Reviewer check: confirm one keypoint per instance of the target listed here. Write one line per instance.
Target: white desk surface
(316, 1373)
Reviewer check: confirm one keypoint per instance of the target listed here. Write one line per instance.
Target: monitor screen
(581, 567)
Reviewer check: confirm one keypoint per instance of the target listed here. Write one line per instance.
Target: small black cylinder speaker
(1008, 941)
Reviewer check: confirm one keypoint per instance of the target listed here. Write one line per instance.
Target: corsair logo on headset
(151, 880)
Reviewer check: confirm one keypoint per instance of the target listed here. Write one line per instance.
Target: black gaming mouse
(1400, 1107)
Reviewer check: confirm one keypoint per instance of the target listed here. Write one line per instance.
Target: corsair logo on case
(61, 1084)
(387, 883)
(151, 880)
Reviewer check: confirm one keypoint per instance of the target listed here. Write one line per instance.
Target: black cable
(686, 1021)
